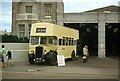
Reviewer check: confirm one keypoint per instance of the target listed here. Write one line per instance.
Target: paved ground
(95, 68)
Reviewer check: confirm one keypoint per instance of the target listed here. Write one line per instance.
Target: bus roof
(49, 29)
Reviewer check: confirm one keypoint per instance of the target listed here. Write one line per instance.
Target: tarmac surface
(95, 68)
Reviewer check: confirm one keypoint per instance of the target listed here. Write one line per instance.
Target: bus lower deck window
(43, 40)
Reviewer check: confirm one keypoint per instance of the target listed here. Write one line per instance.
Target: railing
(27, 17)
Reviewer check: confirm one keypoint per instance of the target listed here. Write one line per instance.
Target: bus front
(40, 44)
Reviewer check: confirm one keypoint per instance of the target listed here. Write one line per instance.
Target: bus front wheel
(31, 60)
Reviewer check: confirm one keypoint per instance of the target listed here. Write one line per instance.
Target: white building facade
(25, 13)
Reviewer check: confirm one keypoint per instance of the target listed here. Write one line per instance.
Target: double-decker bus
(48, 40)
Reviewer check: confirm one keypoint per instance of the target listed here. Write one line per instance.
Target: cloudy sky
(69, 6)
(5, 15)
(85, 5)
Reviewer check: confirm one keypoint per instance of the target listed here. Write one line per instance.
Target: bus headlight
(45, 52)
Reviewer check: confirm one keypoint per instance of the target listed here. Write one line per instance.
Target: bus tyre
(31, 60)
(73, 57)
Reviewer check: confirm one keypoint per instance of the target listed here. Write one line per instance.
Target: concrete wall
(91, 17)
(19, 51)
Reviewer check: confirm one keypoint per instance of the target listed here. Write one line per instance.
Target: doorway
(88, 34)
(112, 39)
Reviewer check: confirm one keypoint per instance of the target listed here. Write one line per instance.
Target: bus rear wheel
(73, 57)
(31, 60)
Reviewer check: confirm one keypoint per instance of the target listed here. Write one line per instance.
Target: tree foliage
(13, 39)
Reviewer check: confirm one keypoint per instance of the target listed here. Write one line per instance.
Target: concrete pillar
(101, 34)
(17, 29)
(26, 30)
(101, 39)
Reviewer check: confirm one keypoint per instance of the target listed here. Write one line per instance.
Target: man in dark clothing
(9, 54)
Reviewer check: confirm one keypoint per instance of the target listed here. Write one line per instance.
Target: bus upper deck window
(63, 41)
(43, 40)
(60, 42)
(67, 41)
(72, 41)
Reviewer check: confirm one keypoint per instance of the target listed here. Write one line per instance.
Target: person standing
(1, 59)
(9, 54)
(4, 57)
(85, 53)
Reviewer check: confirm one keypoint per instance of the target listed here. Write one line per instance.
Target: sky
(70, 6)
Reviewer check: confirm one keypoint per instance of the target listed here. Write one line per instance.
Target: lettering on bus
(40, 30)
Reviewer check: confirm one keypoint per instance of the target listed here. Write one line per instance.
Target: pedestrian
(85, 53)
(1, 60)
(4, 57)
(9, 54)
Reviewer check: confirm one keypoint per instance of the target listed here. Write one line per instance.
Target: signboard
(61, 60)
(40, 30)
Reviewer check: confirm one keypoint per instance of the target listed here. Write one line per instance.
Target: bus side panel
(66, 51)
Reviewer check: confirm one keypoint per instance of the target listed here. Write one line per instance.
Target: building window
(21, 27)
(21, 30)
(28, 9)
(22, 34)
(48, 10)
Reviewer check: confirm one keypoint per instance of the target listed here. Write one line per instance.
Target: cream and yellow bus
(48, 40)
